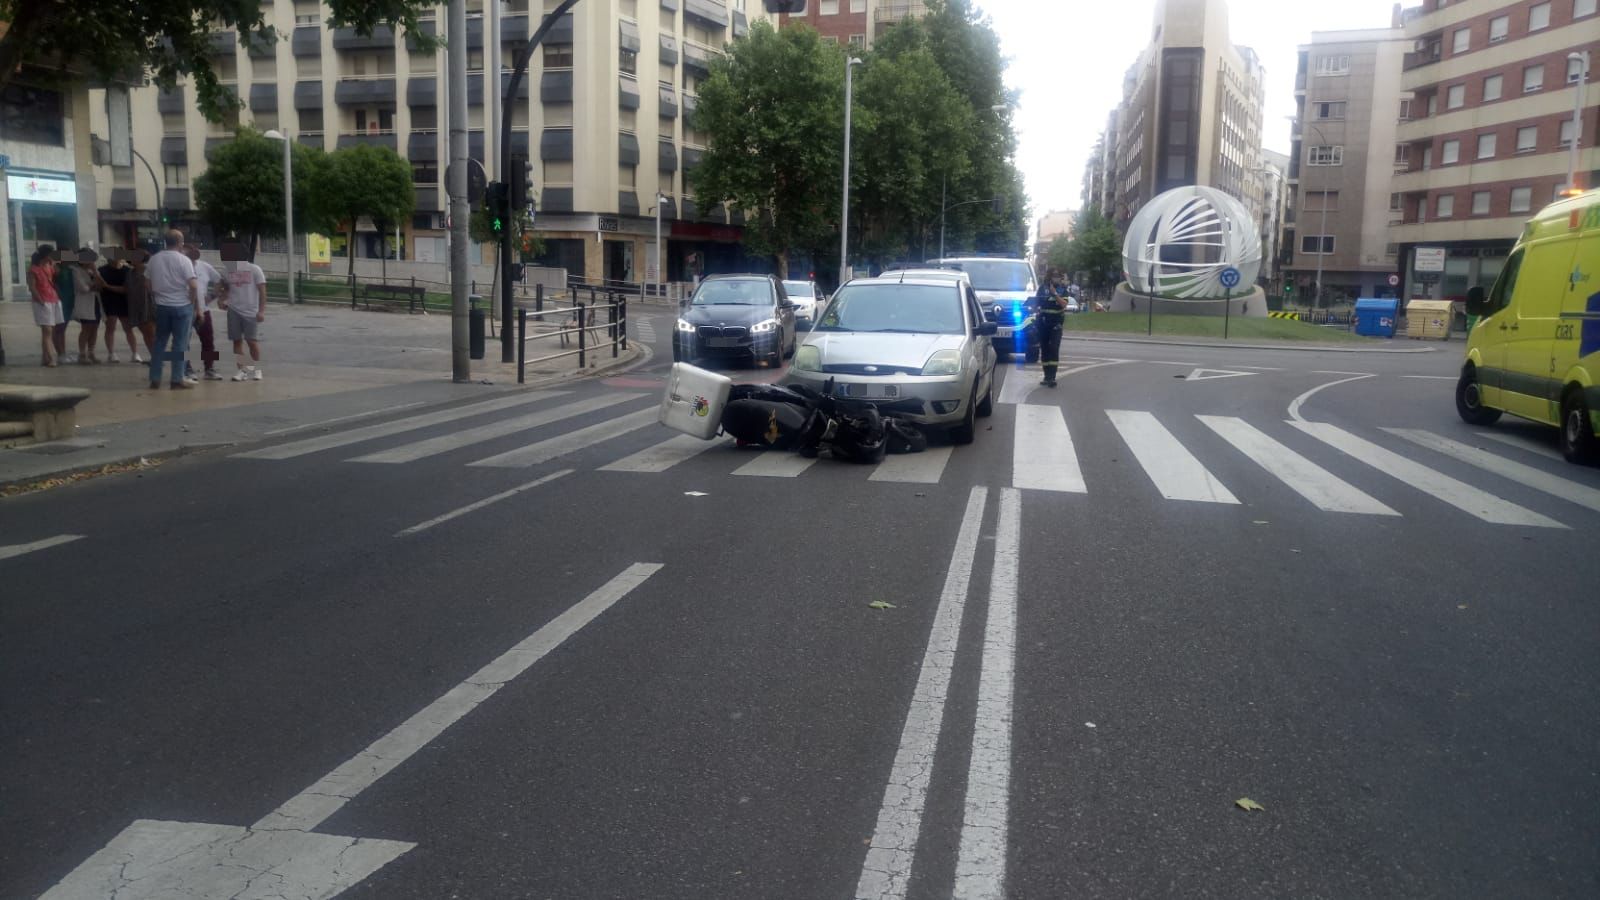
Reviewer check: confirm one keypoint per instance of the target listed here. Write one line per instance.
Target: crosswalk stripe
(1538, 479)
(926, 467)
(1325, 490)
(1522, 442)
(1175, 471)
(444, 443)
(775, 464)
(664, 455)
(571, 442)
(1042, 455)
(1462, 496)
(399, 426)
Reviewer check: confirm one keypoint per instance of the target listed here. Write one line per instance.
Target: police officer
(1051, 317)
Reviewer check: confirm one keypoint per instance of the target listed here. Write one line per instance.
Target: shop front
(41, 208)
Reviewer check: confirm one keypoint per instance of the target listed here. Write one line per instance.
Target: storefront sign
(41, 189)
(1428, 259)
(608, 223)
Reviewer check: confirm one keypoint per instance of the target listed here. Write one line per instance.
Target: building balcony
(311, 139)
(381, 38)
(1419, 58)
(697, 57)
(375, 137)
(222, 43)
(360, 91)
(897, 10)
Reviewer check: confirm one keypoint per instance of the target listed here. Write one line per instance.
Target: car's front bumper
(690, 346)
(922, 399)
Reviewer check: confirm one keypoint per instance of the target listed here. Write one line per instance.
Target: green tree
(773, 111)
(1095, 248)
(167, 39)
(364, 181)
(242, 189)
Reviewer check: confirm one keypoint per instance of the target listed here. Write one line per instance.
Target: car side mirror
(1478, 302)
(988, 316)
(988, 329)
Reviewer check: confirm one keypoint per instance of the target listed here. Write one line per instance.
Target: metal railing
(583, 308)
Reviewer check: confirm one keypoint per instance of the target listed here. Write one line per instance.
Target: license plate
(723, 342)
(1004, 332)
(871, 391)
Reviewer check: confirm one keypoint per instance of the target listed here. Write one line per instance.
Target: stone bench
(48, 412)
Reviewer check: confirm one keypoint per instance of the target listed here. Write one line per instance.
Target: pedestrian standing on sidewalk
(1049, 321)
(86, 288)
(209, 281)
(46, 301)
(246, 303)
(177, 300)
(114, 300)
(141, 304)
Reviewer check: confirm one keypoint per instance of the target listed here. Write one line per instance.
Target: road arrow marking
(1209, 374)
(278, 856)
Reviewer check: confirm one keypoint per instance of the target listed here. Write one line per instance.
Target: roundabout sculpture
(1195, 250)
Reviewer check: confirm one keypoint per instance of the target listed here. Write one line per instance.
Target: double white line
(981, 865)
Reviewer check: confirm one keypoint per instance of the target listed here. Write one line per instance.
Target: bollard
(522, 344)
(622, 322)
(583, 329)
(611, 314)
(538, 298)
(474, 328)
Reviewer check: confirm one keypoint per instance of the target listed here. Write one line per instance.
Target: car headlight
(769, 325)
(685, 327)
(808, 358)
(945, 362)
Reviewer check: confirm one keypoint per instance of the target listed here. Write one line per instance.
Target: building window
(858, 40)
(176, 176)
(1574, 70)
(32, 115)
(628, 176)
(1462, 42)
(1317, 201)
(1405, 110)
(829, 7)
(1521, 199)
(310, 121)
(1433, 104)
(1329, 109)
(1532, 79)
(1450, 152)
(558, 56)
(628, 63)
(424, 173)
(1527, 138)
(1480, 203)
(1539, 17)
(1486, 146)
(858, 6)
(1566, 132)
(1316, 244)
(172, 123)
(1394, 203)
(1455, 97)
(1581, 8)
(1333, 65)
(1492, 86)
(1445, 206)
(1325, 155)
(1402, 154)
(557, 171)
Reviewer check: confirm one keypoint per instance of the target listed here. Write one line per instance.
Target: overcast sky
(1068, 58)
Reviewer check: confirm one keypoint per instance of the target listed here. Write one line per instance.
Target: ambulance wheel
(1578, 443)
(1469, 400)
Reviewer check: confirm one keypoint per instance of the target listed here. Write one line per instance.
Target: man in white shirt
(172, 282)
(246, 303)
(209, 282)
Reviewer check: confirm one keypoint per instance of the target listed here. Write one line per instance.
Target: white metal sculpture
(1182, 241)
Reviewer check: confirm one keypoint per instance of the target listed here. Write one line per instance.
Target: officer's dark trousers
(1049, 345)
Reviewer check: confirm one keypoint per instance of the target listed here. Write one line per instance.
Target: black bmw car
(734, 318)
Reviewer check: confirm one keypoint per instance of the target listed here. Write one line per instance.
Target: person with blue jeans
(177, 300)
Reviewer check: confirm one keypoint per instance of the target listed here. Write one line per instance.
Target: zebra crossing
(618, 431)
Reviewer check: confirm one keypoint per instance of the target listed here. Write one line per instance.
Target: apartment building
(1348, 103)
(605, 110)
(854, 22)
(1191, 111)
(1486, 135)
(1271, 219)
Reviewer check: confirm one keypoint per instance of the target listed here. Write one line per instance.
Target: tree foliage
(1094, 248)
(773, 107)
(364, 181)
(241, 190)
(166, 39)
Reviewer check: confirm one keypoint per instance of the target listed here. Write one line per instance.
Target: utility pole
(456, 187)
(1582, 59)
(844, 214)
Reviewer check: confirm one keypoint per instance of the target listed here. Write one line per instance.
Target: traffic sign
(1394, 281)
(1229, 277)
(1428, 259)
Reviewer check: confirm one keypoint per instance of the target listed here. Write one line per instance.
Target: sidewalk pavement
(322, 364)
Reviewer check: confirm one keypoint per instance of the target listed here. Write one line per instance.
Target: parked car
(807, 299)
(920, 349)
(1006, 288)
(736, 317)
(934, 274)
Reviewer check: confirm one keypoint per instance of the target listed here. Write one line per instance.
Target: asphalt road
(618, 682)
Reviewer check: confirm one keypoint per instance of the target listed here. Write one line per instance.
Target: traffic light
(517, 172)
(1288, 289)
(494, 202)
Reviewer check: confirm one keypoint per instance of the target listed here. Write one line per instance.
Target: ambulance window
(1500, 294)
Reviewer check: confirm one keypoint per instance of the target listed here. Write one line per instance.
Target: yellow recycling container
(1428, 320)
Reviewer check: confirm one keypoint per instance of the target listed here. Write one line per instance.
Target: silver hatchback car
(920, 349)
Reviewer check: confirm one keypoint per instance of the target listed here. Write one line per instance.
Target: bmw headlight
(808, 358)
(766, 327)
(945, 362)
(685, 327)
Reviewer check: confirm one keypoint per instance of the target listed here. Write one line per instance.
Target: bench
(47, 413)
(394, 294)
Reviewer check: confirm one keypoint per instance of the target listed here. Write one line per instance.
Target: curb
(1104, 338)
(161, 454)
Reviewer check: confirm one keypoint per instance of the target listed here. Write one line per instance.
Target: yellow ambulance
(1535, 349)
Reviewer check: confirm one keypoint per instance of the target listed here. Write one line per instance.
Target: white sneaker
(242, 375)
(190, 379)
(255, 374)
(113, 359)
(139, 359)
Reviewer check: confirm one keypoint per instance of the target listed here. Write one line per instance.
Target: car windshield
(745, 292)
(996, 274)
(924, 275)
(895, 308)
(798, 288)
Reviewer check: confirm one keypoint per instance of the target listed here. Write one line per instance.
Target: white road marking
(926, 467)
(571, 442)
(1325, 490)
(455, 440)
(1538, 479)
(981, 864)
(385, 429)
(1019, 384)
(1257, 368)
(1338, 372)
(775, 464)
(1433, 377)
(360, 415)
(1462, 496)
(474, 507)
(664, 455)
(887, 870)
(1213, 374)
(1175, 471)
(1523, 442)
(1042, 455)
(12, 551)
(312, 806)
(1294, 408)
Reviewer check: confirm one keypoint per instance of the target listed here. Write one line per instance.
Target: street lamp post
(288, 208)
(1582, 59)
(661, 200)
(844, 215)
